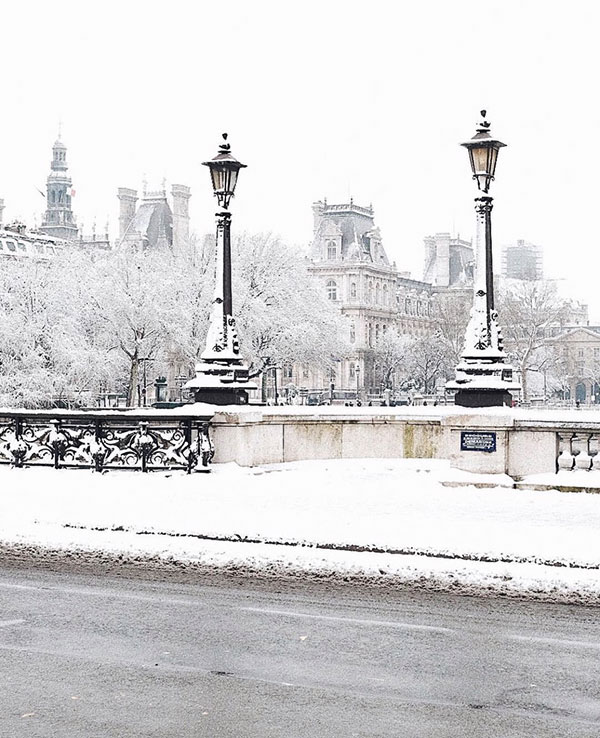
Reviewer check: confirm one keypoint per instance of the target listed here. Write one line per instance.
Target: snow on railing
(578, 450)
(106, 440)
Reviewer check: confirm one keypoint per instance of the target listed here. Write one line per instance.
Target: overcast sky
(321, 99)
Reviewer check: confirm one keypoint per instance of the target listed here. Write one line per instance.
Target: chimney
(181, 216)
(127, 201)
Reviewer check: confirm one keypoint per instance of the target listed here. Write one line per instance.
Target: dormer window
(331, 250)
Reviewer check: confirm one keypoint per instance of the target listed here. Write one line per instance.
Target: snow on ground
(360, 517)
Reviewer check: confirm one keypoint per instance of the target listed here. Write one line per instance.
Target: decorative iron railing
(578, 450)
(104, 440)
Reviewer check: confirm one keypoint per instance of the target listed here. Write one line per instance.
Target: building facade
(350, 262)
(574, 373)
(16, 242)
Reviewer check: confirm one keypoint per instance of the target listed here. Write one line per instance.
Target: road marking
(5, 623)
(557, 641)
(354, 621)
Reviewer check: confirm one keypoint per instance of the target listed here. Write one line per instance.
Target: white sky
(330, 98)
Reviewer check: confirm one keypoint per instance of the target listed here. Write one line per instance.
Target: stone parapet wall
(525, 442)
(269, 437)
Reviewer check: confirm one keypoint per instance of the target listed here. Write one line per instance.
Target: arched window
(385, 294)
(331, 289)
(352, 333)
(377, 333)
(369, 291)
(331, 250)
(377, 294)
(352, 289)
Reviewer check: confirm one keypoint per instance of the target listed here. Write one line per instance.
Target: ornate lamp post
(221, 375)
(483, 378)
(357, 372)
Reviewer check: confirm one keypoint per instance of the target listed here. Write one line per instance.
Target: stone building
(152, 223)
(449, 262)
(17, 242)
(58, 220)
(575, 370)
(349, 260)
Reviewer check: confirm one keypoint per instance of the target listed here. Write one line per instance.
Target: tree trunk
(132, 390)
(524, 387)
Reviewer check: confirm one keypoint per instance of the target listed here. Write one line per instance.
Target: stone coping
(444, 415)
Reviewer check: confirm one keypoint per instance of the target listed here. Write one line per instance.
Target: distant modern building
(522, 260)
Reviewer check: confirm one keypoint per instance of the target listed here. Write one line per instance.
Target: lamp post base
(223, 382)
(477, 397)
(221, 396)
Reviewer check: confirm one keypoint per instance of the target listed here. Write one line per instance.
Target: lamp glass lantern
(224, 170)
(483, 154)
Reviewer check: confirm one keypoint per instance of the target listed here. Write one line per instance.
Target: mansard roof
(355, 224)
(153, 223)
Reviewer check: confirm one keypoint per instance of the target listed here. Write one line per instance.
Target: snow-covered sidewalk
(390, 519)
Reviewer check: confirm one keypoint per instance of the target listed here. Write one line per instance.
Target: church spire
(58, 219)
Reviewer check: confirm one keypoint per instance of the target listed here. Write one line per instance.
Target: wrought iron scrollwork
(102, 441)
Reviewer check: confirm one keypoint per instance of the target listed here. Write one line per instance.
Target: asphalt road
(115, 657)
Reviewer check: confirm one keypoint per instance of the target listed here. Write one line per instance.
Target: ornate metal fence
(105, 440)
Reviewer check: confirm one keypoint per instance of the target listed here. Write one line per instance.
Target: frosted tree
(135, 295)
(526, 310)
(282, 314)
(428, 360)
(390, 357)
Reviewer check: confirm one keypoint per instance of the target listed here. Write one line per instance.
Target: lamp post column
(221, 375)
(483, 377)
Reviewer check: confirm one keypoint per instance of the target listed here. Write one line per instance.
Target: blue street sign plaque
(478, 441)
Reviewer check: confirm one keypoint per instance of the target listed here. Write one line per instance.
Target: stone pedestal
(221, 382)
(483, 398)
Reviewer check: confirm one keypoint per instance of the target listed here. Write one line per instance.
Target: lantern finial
(224, 147)
(484, 125)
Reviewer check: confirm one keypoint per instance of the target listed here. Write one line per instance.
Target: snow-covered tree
(428, 359)
(283, 317)
(390, 357)
(526, 309)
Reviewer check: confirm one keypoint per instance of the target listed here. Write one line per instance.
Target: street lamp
(221, 375)
(357, 372)
(483, 378)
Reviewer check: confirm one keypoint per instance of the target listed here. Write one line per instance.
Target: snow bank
(364, 517)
